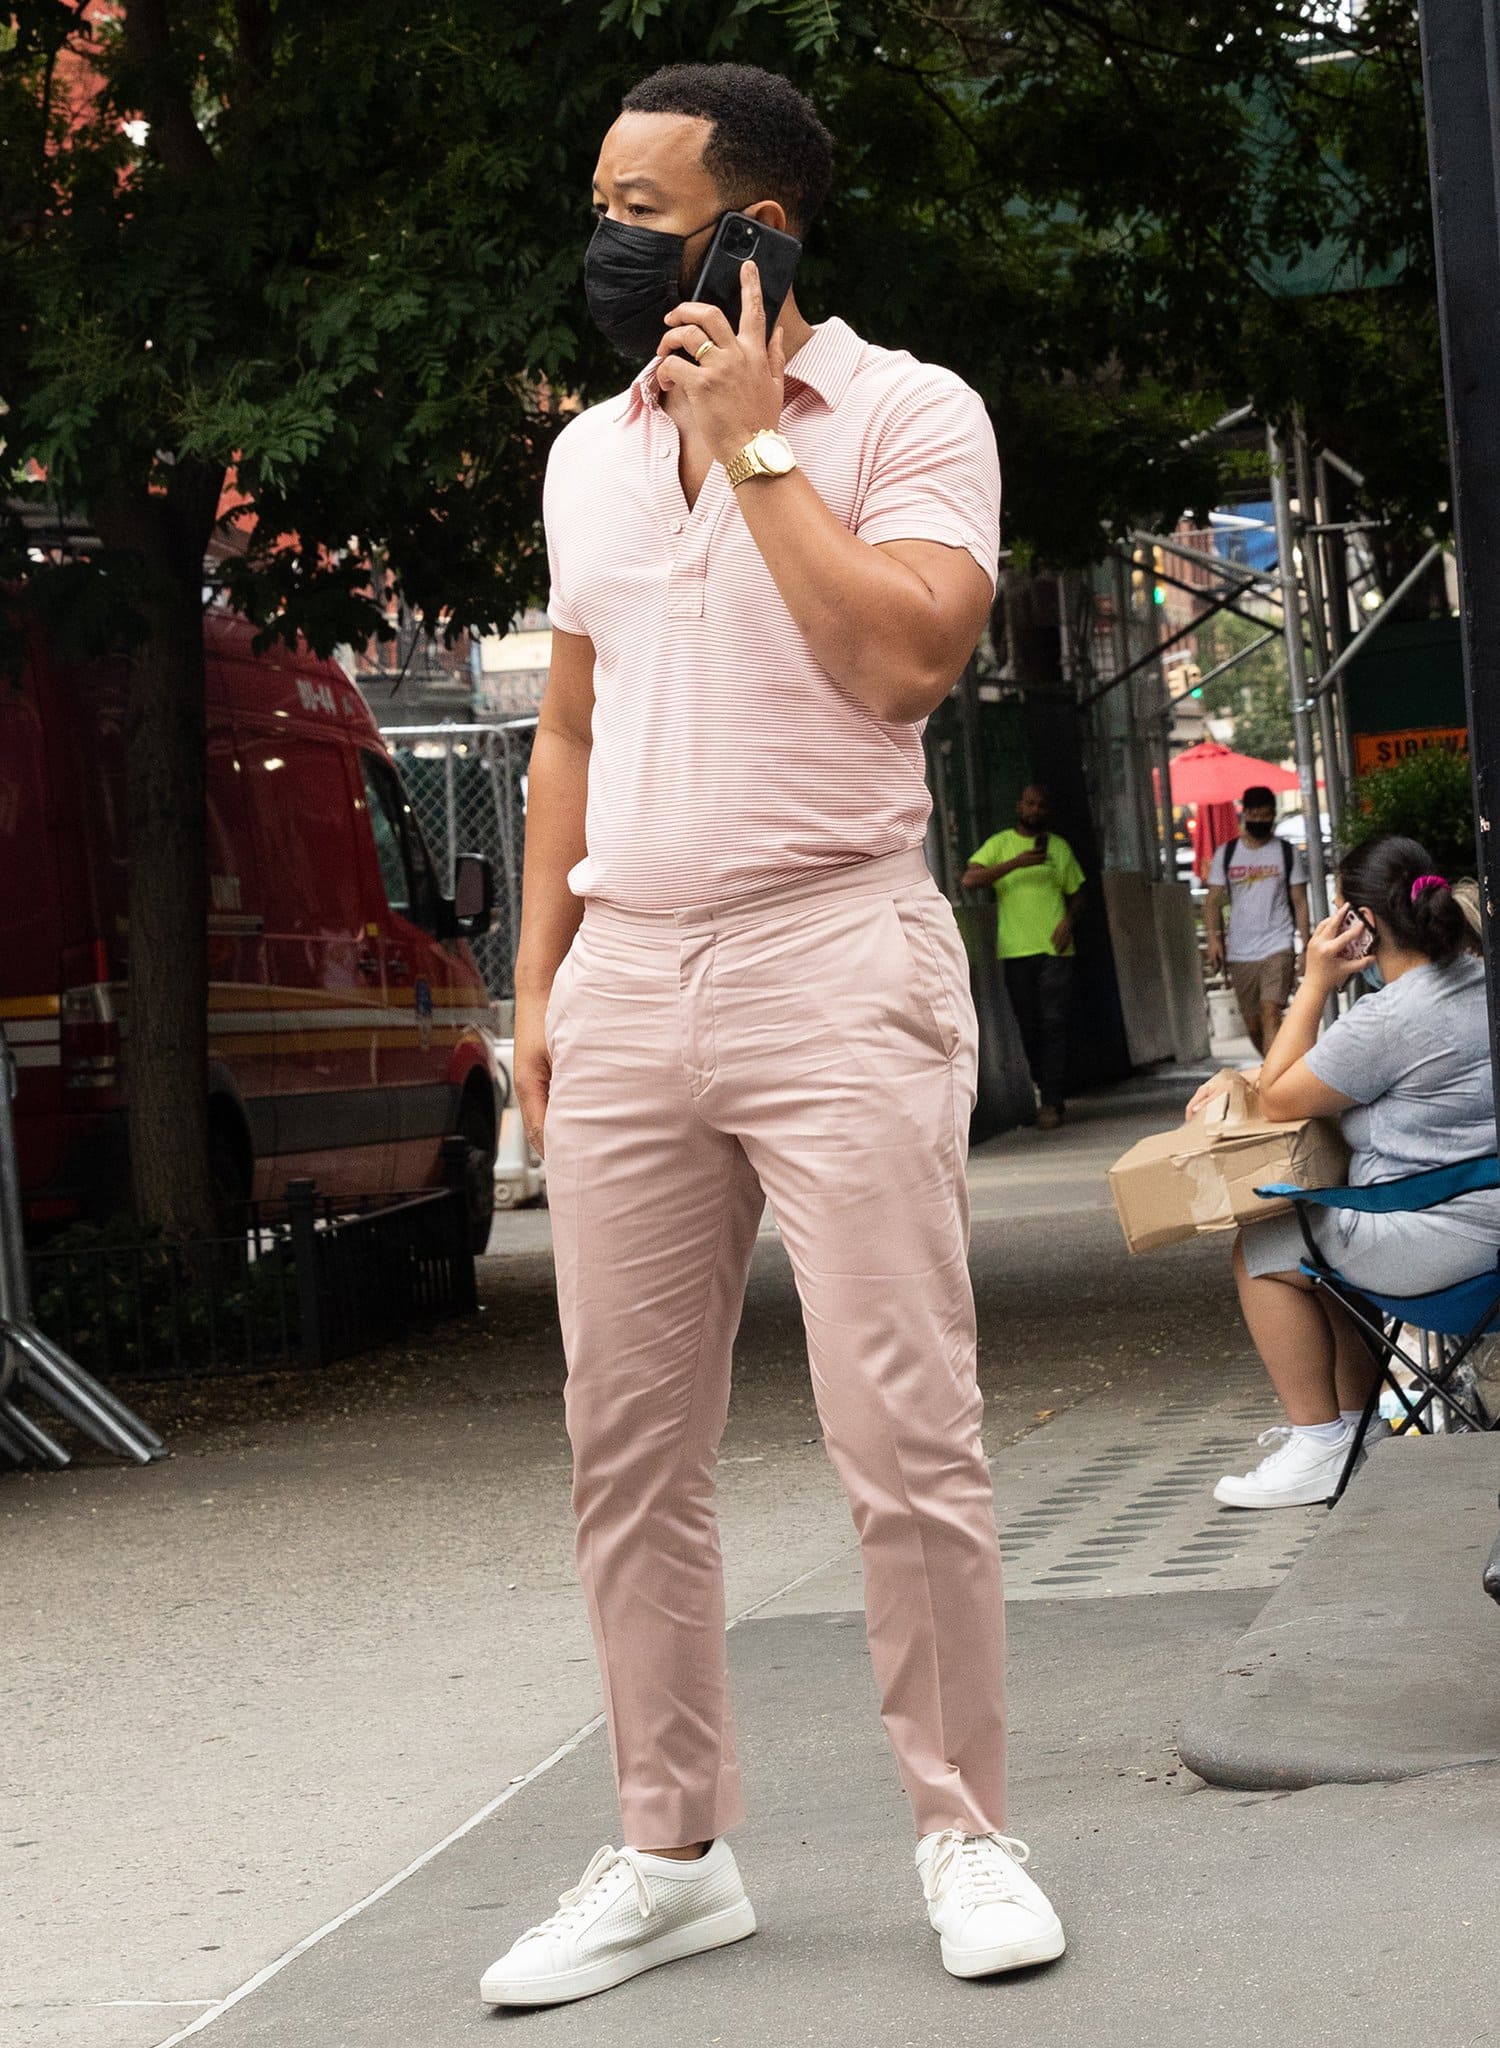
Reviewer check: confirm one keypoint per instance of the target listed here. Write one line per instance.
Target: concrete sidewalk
(1345, 1915)
(246, 1690)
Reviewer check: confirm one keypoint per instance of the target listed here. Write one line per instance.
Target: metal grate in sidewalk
(1116, 1497)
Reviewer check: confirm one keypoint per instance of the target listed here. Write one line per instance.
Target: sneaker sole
(1309, 1496)
(714, 1930)
(1045, 1947)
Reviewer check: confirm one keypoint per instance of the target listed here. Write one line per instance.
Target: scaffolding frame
(1308, 596)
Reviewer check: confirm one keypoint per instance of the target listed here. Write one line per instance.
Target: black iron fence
(308, 1283)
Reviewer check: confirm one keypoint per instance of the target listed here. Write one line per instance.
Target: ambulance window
(387, 832)
(405, 864)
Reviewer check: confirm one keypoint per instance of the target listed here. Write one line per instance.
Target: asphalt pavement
(300, 1726)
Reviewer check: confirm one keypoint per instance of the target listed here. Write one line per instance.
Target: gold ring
(700, 353)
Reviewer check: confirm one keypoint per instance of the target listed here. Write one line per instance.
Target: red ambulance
(347, 1019)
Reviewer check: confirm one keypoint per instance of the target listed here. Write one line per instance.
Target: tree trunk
(166, 1043)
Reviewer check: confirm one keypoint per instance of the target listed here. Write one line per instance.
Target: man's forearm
(557, 796)
(871, 621)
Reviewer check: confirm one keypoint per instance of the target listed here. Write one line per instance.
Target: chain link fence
(467, 785)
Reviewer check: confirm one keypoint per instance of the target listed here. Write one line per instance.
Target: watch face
(774, 450)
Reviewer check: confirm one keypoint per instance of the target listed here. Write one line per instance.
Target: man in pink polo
(737, 983)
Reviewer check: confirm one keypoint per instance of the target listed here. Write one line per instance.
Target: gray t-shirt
(1260, 907)
(1415, 1057)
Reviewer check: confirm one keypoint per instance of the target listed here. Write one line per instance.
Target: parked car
(346, 1014)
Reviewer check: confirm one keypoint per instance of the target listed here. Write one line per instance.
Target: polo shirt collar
(827, 360)
(825, 364)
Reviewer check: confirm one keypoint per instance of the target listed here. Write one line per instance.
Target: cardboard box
(1202, 1176)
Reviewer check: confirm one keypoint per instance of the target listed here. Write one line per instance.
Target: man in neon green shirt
(1037, 883)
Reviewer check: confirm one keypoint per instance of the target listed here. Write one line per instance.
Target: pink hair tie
(1425, 882)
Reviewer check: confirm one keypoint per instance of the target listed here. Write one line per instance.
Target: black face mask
(632, 278)
(1257, 832)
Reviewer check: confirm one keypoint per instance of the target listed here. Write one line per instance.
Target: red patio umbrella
(1213, 774)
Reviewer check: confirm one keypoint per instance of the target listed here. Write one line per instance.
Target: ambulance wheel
(477, 1130)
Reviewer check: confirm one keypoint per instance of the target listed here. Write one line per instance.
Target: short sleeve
(988, 854)
(1299, 868)
(1364, 1054)
(1070, 874)
(936, 474)
(560, 611)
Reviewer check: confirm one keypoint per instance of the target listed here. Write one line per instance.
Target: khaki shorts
(1261, 982)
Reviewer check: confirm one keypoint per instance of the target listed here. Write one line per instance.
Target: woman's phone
(1358, 940)
(739, 239)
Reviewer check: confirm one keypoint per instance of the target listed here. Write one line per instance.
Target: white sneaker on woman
(1297, 1474)
(989, 1914)
(627, 1913)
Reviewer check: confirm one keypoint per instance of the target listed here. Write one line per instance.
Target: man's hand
(736, 387)
(531, 1068)
(1062, 938)
(1031, 858)
(1215, 952)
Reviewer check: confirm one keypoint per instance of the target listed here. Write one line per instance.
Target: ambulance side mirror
(473, 894)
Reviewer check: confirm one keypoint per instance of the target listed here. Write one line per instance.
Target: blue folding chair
(1457, 1316)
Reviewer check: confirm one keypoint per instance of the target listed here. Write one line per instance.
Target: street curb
(1378, 1658)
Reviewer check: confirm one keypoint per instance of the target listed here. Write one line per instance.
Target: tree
(1254, 692)
(1120, 219)
(327, 259)
(323, 261)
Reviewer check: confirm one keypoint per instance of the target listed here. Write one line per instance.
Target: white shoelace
(1279, 1434)
(605, 1861)
(982, 1877)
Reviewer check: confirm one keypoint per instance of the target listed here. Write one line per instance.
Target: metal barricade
(467, 785)
(30, 1363)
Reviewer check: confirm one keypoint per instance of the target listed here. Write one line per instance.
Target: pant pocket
(929, 983)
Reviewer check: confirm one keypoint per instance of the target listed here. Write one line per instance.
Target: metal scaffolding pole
(1334, 546)
(1145, 829)
(1322, 651)
(1162, 720)
(1296, 664)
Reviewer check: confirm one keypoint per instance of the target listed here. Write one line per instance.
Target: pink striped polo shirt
(725, 759)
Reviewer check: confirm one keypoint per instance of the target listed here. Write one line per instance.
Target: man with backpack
(1263, 880)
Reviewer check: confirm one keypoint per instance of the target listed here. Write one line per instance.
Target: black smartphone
(1041, 842)
(739, 239)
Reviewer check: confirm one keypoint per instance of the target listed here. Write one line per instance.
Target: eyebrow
(634, 184)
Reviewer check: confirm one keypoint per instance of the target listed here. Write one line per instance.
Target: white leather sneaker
(627, 1913)
(989, 1914)
(1297, 1474)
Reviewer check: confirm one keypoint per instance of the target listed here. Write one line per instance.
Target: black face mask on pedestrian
(1258, 829)
(632, 278)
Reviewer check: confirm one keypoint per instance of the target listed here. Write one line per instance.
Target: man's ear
(770, 212)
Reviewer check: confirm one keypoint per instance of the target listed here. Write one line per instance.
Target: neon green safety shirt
(1031, 901)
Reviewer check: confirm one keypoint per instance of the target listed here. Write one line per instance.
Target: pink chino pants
(817, 1048)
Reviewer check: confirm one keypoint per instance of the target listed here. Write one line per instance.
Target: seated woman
(1407, 1072)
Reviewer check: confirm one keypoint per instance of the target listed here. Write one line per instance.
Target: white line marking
(273, 1969)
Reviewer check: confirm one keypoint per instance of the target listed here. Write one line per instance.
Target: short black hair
(1257, 796)
(767, 142)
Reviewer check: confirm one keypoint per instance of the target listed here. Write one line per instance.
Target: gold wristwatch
(767, 454)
